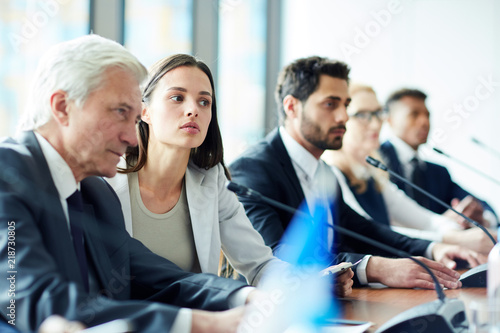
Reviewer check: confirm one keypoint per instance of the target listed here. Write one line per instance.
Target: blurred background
(450, 49)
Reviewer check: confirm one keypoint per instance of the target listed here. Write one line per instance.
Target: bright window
(27, 28)
(242, 65)
(155, 29)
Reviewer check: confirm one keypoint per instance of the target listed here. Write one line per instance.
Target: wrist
(374, 269)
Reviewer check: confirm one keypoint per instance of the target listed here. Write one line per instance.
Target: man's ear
(291, 106)
(59, 105)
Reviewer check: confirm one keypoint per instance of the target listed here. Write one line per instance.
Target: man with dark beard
(312, 97)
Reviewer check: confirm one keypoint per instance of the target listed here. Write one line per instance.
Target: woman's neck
(164, 169)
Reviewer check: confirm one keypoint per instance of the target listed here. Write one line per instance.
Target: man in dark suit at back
(312, 98)
(409, 120)
(63, 242)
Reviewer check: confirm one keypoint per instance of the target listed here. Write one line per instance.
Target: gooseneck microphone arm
(479, 172)
(376, 163)
(243, 191)
(488, 148)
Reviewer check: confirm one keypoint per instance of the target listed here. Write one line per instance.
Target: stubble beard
(313, 134)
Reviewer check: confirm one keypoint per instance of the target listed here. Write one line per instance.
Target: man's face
(99, 133)
(409, 119)
(321, 119)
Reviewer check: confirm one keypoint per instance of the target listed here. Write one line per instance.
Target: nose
(192, 109)
(129, 135)
(342, 116)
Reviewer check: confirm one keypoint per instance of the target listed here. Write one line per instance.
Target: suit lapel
(59, 229)
(276, 143)
(202, 210)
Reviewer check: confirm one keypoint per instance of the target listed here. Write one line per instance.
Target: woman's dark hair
(210, 152)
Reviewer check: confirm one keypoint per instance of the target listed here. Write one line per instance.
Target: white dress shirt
(305, 165)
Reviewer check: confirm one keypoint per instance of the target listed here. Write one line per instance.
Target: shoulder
(98, 188)
(263, 154)
(436, 168)
(387, 149)
(13, 152)
(16, 162)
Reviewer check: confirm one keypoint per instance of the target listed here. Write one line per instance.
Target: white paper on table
(346, 328)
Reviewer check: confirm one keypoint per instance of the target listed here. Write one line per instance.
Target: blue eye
(205, 103)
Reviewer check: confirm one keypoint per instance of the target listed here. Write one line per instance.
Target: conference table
(378, 305)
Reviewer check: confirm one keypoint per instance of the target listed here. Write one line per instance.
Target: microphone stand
(474, 277)
(479, 172)
(491, 150)
(380, 165)
(445, 315)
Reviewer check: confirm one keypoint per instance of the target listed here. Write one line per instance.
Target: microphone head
(376, 163)
(236, 188)
(439, 151)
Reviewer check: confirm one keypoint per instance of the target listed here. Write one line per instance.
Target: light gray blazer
(218, 220)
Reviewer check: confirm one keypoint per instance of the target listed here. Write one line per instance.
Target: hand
(57, 324)
(474, 239)
(405, 273)
(217, 322)
(343, 280)
(343, 283)
(446, 253)
(470, 207)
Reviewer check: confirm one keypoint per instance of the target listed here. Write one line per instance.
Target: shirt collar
(404, 151)
(299, 155)
(61, 173)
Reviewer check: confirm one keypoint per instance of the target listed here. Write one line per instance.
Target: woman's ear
(290, 105)
(59, 105)
(145, 114)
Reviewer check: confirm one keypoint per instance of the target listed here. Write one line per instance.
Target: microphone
(479, 172)
(447, 315)
(491, 150)
(474, 277)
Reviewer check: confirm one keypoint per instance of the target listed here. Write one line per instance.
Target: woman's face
(365, 122)
(180, 109)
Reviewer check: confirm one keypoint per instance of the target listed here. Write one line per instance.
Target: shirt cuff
(183, 321)
(491, 219)
(239, 297)
(361, 270)
(428, 251)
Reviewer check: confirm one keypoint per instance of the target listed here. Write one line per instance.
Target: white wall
(447, 48)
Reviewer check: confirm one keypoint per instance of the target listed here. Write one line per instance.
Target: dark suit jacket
(267, 168)
(47, 280)
(437, 181)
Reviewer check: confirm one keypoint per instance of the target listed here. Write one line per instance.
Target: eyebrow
(337, 98)
(185, 90)
(125, 105)
(365, 110)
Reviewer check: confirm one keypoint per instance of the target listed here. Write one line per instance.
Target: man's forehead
(329, 84)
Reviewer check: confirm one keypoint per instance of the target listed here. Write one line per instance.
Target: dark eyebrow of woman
(185, 90)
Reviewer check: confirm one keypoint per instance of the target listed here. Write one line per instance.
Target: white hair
(76, 67)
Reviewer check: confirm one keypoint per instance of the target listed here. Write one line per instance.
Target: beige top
(169, 235)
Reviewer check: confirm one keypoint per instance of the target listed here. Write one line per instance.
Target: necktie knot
(75, 201)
